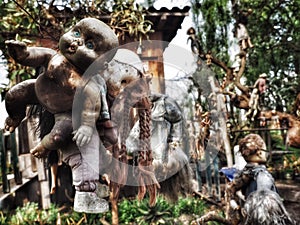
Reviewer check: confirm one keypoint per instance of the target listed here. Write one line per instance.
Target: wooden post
(33, 140)
(5, 183)
(15, 161)
(114, 202)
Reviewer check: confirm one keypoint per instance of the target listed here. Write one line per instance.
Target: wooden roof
(164, 20)
(167, 21)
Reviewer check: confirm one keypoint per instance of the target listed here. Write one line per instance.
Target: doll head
(253, 149)
(125, 67)
(86, 41)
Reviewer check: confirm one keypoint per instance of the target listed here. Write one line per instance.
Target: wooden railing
(9, 160)
(16, 170)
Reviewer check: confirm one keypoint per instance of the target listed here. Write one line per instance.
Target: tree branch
(211, 216)
(237, 82)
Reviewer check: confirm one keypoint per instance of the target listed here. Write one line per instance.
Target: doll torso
(55, 88)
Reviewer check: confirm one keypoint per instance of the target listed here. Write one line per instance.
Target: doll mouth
(72, 49)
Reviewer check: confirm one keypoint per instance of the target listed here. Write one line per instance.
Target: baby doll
(55, 90)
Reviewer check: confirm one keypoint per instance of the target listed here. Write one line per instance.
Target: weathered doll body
(55, 90)
(262, 205)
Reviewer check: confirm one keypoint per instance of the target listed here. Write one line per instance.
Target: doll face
(117, 76)
(86, 41)
(260, 156)
(253, 149)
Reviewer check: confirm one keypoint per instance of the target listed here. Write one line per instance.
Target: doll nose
(76, 42)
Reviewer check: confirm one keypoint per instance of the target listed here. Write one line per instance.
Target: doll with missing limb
(55, 90)
(263, 205)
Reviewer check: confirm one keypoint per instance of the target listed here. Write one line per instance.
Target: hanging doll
(241, 32)
(256, 98)
(56, 89)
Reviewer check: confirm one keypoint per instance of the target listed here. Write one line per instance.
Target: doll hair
(265, 207)
(250, 144)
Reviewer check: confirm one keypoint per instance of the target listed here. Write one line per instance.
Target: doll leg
(104, 106)
(59, 136)
(217, 177)
(53, 159)
(250, 43)
(244, 45)
(198, 175)
(208, 173)
(85, 171)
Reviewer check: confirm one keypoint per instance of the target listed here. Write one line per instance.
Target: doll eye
(89, 45)
(76, 33)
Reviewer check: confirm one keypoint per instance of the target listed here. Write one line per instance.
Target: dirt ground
(289, 190)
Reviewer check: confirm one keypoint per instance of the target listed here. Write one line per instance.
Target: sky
(179, 61)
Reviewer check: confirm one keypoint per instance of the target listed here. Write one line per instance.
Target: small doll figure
(195, 44)
(256, 97)
(241, 32)
(261, 83)
(56, 90)
(262, 204)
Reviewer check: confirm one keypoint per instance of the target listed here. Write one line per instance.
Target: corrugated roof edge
(165, 9)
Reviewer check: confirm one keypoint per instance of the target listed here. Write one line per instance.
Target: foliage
(31, 214)
(14, 19)
(129, 18)
(189, 205)
(76, 218)
(130, 211)
(3, 218)
(277, 53)
(33, 20)
(211, 19)
(274, 29)
(163, 212)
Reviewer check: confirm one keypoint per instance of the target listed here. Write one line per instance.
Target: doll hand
(17, 49)
(234, 205)
(11, 124)
(83, 135)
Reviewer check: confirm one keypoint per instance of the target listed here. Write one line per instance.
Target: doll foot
(105, 178)
(102, 190)
(52, 190)
(11, 124)
(90, 202)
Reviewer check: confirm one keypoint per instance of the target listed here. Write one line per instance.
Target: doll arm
(90, 112)
(16, 101)
(29, 56)
(234, 186)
